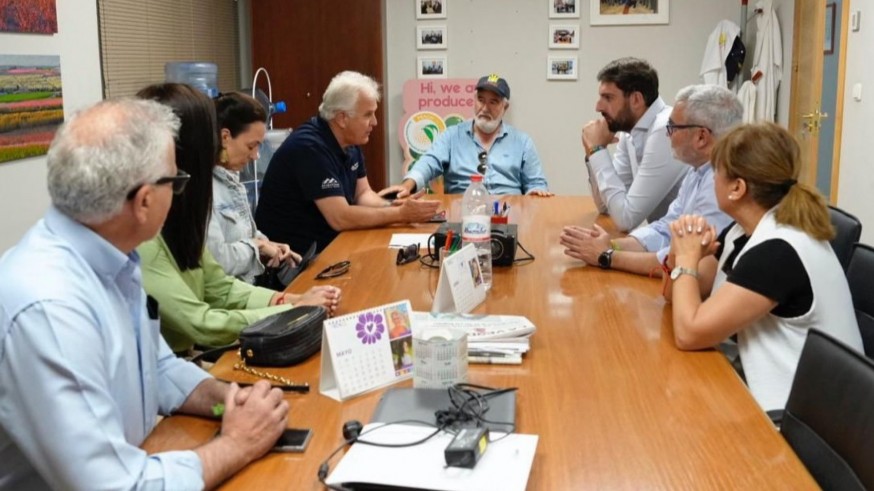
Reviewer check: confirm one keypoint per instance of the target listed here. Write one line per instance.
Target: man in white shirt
(701, 114)
(642, 177)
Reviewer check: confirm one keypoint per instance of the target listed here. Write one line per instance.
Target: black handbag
(283, 339)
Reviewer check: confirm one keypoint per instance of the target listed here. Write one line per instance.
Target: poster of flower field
(36, 16)
(31, 105)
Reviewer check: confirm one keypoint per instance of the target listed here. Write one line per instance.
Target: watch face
(675, 273)
(605, 259)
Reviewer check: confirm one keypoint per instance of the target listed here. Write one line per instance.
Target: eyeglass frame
(334, 270)
(672, 127)
(483, 162)
(407, 254)
(179, 181)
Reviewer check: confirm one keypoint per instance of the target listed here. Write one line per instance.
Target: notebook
(401, 404)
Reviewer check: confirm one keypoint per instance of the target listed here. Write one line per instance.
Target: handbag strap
(284, 383)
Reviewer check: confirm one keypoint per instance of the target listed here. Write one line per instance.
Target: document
(505, 466)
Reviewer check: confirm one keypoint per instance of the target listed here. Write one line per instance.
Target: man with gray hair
(701, 114)
(316, 185)
(84, 371)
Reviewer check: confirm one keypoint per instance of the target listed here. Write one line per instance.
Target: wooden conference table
(616, 405)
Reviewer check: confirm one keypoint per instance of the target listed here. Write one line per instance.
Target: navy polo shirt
(309, 165)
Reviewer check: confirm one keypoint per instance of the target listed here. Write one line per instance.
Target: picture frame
(628, 12)
(564, 36)
(564, 9)
(432, 37)
(430, 9)
(431, 66)
(560, 67)
(829, 47)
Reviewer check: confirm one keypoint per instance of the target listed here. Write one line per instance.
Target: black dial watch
(605, 260)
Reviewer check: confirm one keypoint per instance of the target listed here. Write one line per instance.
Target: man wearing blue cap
(485, 145)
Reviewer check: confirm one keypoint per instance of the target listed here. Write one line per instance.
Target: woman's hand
(325, 296)
(691, 239)
(275, 253)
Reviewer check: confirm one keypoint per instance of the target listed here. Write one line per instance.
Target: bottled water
(476, 225)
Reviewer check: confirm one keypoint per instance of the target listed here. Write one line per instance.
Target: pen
(495, 360)
(302, 388)
(497, 207)
(506, 209)
(448, 244)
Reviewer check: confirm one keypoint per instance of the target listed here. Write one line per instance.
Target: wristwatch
(605, 260)
(676, 272)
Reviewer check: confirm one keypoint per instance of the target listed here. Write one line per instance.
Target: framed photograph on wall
(564, 36)
(561, 67)
(625, 12)
(431, 37)
(564, 9)
(430, 9)
(431, 67)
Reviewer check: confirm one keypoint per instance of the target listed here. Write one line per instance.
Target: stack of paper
(499, 339)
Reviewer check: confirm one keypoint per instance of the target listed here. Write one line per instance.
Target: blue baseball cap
(494, 83)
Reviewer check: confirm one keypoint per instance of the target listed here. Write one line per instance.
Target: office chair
(848, 230)
(829, 418)
(860, 276)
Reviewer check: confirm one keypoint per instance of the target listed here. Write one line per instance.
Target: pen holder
(442, 254)
(500, 219)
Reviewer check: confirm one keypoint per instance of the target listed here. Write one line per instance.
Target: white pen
(495, 360)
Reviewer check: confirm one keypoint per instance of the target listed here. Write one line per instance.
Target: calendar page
(366, 350)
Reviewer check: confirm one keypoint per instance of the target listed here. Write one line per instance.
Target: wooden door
(304, 43)
(804, 106)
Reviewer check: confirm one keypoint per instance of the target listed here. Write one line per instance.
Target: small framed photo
(564, 36)
(564, 9)
(561, 68)
(431, 67)
(430, 9)
(431, 37)
(625, 12)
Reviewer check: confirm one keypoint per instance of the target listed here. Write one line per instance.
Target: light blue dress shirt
(83, 369)
(696, 197)
(513, 164)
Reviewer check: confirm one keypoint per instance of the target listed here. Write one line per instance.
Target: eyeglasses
(334, 270)
(179, 181)
(407, 254)
(483, 162)
(671, 127)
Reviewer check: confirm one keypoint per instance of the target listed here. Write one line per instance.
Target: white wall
(23, 194)
(510, 38)
(856, 181)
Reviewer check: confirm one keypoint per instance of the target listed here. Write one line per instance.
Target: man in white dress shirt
(642, 177)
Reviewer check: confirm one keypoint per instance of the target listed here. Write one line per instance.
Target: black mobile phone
(390, 196)
(293, 440)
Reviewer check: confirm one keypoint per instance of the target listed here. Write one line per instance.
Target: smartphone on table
(293, 440)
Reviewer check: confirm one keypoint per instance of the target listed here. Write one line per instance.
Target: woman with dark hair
(773, 274)
(232, 237)
(198, 302)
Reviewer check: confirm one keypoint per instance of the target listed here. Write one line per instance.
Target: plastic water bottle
(476, 221)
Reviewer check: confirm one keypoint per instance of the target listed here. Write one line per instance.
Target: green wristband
(218, 409)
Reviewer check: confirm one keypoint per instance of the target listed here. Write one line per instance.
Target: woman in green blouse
(198, 302)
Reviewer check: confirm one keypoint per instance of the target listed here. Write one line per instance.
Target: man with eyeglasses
(701, 114)
(487, 145)
(84, 371)
(641, 178)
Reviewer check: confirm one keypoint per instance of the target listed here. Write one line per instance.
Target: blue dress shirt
(84, 371)
(513, 165)
(696, 197)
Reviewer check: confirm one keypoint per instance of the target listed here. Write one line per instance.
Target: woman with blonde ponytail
(770, 276)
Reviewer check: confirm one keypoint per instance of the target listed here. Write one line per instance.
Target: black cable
(213, 351)
(529, 259)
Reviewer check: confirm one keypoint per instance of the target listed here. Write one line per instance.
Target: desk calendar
(460, 287)
(366, 350)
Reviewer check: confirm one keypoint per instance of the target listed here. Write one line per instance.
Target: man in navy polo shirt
(316, 185)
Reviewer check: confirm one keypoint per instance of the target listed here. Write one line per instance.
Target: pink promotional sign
(431, 106)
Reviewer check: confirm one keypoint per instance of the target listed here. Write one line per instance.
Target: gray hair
(103, 152)
(343, 92)
(712, 106)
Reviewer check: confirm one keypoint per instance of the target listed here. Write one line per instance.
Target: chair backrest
(829, 418)
(860, 277)
(848, 230)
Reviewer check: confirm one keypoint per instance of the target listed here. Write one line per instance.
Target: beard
(624, 120)
(486, 124)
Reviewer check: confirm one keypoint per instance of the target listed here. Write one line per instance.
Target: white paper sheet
(402, 240)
